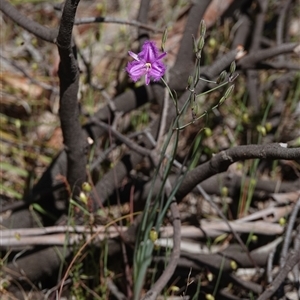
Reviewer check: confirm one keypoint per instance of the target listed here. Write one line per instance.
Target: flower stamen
(148, 66)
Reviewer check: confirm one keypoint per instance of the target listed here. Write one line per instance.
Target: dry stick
(35, 28)
(281, 27)
(294, 258)
(276, 65)
(288, 234)
(27, 75)
(281, 22)
(240, 31)
(114, 290)
(143, 14)
(237, 237)
(252, 75)
(88, 20)
(220, 213)
(221, 161)
(297, 249)
(102, 156)
(270, 265)
(56, 235)
(250, 61)
(259, 25)
(122, 138)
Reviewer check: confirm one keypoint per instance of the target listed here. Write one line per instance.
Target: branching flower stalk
(148, 63)
(194, 79)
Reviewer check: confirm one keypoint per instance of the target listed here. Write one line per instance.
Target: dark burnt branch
(234, 183)
(74, 139)
(142, 17)
(129, 100)
(126, 102)
(281, 23)
(35, 28)
(252, 59)
(242, 32)
(37, 266)
(278, 65)
(129, 143)
(259, 25)
(185, 56)
(221, 161)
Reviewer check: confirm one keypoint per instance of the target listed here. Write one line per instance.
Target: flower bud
(232, 67)
(224, 191)
(202, 28)
(210, 276)
(86, 187)
(282, 221)
(83, 197)
(261, 129)
(164, 39)
(153, 235)
(245, 118)
(222, 100)
(174, 288)
(195, 48)
(201, 43)
(254, 238)
(239, 166)
(212, 42)
(268, 126)
(233, 265)
(190, 82)
(221, 77)
(207, 131)
(229, 90)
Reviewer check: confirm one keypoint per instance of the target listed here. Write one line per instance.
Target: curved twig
(89, 20)
(293, 259)
(250, 61)
(221, 161)
(288, 234)
(35, 28)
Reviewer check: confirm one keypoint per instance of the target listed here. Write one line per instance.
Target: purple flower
(147, 62)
